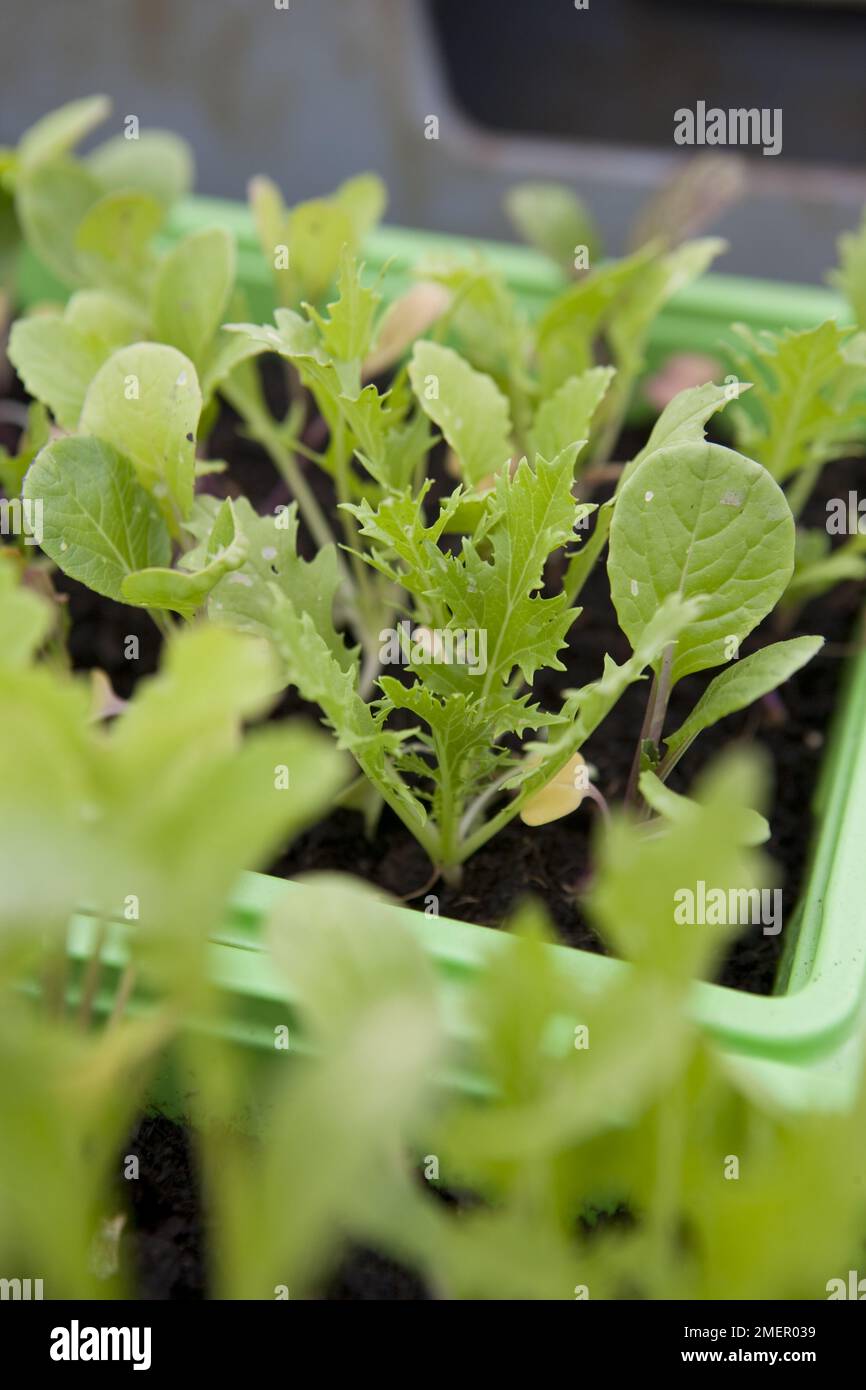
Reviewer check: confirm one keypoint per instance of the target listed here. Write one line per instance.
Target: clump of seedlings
(436, 596)
(453, 483)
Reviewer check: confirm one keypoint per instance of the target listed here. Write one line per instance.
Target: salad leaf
(146, 401)
(466, 405)
(191, 291)
(552, 218)
(742, 684)
(802, 410)
(700, 520)
(59, 132)
(100, 525)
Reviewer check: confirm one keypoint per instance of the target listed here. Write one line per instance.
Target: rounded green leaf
(60, 131)
(106, 318)
(51, 202)
(56, 362)
(364, 198)
(191, 291)
(113, 240)
(552, 218)
(699, 519)
(98, 523)
(146, 401)
(158, 162)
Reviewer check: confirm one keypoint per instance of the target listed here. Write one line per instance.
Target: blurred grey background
(521, 88)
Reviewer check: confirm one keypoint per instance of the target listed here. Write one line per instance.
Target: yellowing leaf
(560, 796)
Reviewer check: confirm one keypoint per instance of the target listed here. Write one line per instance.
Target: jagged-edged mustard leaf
(802, 410)
(245, 599)
(184, 591)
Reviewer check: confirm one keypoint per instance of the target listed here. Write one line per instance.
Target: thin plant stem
(653, 721)
(124, 991)
(163, 623)
(92, 976)
(264, 433)
(801, 488)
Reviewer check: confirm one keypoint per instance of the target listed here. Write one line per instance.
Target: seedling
(481, 555)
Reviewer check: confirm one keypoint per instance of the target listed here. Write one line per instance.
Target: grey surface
(329, 87)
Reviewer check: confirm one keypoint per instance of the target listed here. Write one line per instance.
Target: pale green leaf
(182, 591)
(363, 198)
(32, 439)
(754, 829)
(108, 319)
(51, 201)
(647, 295)
(146, 401)
(850, 277)
(552, 218)
(347, 332)
(798, 412)
(226, 352)
(316, 233)
(246, 599)
(641, 876)
(191, 291)
(401, 537)
(483, 319)
(466, 405)
(59, 132)
(700, 520)
(322, 678)
(56, 363)
(99, 523)
(742, 683)
(499, 595)
(113, 241)
(157, 162)
(57, 356)
(565, 418)
(25, 620)
(567, 330)
(685, 417)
